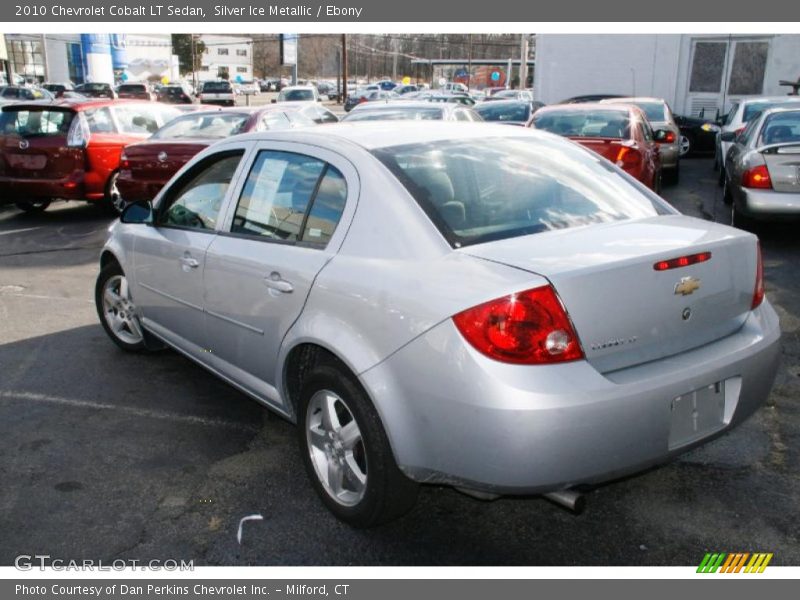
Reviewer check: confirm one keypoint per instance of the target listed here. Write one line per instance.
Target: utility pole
(469, 66)
(194, 65)
(344, 68)
(395, 44)
(523, 63)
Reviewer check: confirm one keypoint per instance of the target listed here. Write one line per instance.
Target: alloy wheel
(119, 311)
(686, 145)
(336, 448)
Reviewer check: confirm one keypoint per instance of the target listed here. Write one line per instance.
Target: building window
(749, 65)
(204, 68)
(222, 51)
(241, 53)
(241, 69)
(708, 66)
(27, 58)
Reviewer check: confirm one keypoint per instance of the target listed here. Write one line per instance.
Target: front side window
(290, 197)
(479, 190)
(196, 200)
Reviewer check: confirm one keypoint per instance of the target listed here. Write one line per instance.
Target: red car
(70, 149)
(618, 132)
(146, 166)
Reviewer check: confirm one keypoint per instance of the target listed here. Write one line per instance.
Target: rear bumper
(456, 417)
(135, 190)
(767, 204)
(77, 186)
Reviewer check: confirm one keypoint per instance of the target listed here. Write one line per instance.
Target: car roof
(631, 99)
(372, 135)
(501, 102)
(79, 104)
(770, 99)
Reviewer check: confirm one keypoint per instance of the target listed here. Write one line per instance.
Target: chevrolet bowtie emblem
(686, 286)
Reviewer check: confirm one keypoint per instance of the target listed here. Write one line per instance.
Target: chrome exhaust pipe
(568, 499)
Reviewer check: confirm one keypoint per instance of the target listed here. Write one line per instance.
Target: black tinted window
(327, 208)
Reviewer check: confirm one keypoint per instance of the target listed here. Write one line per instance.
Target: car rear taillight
(530, 327)
(628, 158)
(757, 177)
(669, 138)
(79, 134)
(124, 163)
(758, 291)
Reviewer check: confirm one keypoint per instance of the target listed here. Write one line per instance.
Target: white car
(299, 93)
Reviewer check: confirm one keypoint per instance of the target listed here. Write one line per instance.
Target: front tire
(116, 309)
(346, 451)
(686, 145)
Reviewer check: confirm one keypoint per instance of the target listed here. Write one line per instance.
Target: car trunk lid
(783, 164)
(160, 160)
(626, 312)
(606, 147)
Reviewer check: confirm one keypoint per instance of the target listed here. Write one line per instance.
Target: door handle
(187, 262)
(274, 282)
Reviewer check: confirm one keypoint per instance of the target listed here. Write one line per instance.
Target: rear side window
(479, 190)
(143, 119)
(290, 197)
(100, 120)
(36, 123)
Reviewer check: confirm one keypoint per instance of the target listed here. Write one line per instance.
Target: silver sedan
(762, 168)
(492, 308)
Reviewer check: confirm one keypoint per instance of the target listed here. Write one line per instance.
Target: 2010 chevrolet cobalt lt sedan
(493, 308)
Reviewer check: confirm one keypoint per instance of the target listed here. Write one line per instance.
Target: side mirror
(137, 213)
(728, 136)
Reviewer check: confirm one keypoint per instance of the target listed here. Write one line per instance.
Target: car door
(281, 229)
(169, 256)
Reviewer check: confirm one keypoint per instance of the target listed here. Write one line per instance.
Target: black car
(698, 136)
(134, 91)
(96, 90)
(174, 94)
(58, 89)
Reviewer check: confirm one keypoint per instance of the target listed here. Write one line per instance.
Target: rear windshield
(95, 87)
(504, 112)
(36, 123)
(217, 87)
(202, 126)
(132, 87)
(479, 190)
(753, 109)
(412, 114)
(293, 95)
(781, 128)
(654, 111)
(595, 123)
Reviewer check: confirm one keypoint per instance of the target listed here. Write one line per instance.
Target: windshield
(399, 114)
(518, 112)
(132, 88)
(216, 87)
(479, 190)
(36, 123)
(595, 123)
(203, 126)
(295, 95)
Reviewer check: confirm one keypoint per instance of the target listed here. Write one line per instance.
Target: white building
(690, 71)
(226, 57)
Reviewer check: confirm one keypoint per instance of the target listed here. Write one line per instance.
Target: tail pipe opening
(571, 500)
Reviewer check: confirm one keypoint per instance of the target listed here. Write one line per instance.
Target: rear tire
(686, 145)
(358, 481)
(34, 206)
(674, 174)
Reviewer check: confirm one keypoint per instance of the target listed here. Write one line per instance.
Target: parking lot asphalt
(107, 455)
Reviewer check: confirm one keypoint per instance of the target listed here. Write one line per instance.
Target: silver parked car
(762, 167)
(489, 307)
(660, 117)
(409, 110)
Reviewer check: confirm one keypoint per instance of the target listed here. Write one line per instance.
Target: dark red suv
(70, 149)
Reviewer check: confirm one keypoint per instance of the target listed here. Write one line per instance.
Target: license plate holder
(697, 414)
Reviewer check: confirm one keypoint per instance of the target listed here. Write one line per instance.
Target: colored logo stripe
(734, 562)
